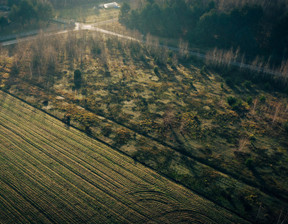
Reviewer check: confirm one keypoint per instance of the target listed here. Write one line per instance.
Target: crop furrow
(28, 199)
(14, 214)
(40, 180)
(121, 199)
(76, 187)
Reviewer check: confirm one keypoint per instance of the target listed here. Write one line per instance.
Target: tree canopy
(250, 27)
(25, 11)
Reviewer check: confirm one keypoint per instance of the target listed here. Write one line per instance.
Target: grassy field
(87, 13)
(51, 173)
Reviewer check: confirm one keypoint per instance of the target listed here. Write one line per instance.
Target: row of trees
(251, 27)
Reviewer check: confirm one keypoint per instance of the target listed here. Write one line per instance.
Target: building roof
(111, 5)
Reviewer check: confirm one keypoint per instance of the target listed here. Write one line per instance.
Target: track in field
(50, 173)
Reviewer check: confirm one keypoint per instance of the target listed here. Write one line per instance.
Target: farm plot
(51, 173)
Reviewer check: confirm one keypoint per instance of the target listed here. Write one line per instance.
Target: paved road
(93, 27)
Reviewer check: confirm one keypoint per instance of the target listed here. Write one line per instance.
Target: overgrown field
(52, 173)
(217, 132)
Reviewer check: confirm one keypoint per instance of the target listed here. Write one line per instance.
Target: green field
(51, 173)
(87, 13)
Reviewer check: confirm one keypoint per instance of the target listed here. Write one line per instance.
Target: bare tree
(242, 143)
(183, 49)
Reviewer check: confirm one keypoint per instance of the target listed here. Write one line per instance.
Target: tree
(125, 8)
(44, 11)
(13, 2)
(3, 22)
(77, 79)
(26, 11)
(124, 13)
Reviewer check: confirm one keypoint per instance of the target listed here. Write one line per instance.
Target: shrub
(262, 99)
(247, 84)
(240, 107)
(96, 50)
(156, 70)
(107, 130)
(231, 100)
(77, 79)
(229, 82)
(249, 100)
(14, 70)
(286, 126)
(122, 136)
(252, 138)
(203, 70)
(88, 130)
(286, 90)
(3, 21)
(237, 105)
(249, 162)
(267, 86)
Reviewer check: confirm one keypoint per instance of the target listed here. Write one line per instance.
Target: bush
(203, 70)
(262, 99)
(122, 136)
(249, 100)
(247, 84)
(156, 70)
(229, 82)
(231, 100)
(286, 126)
(240, 107)
(3, 21)
(252, 138)
(96, 50)
(249, 162)
(267, 86)
(237, 105)
(77, 79)
(107, 130)
(286, 90)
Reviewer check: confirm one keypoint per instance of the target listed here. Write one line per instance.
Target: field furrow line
(13, 215)
(76, 192)
(40, 183)
(27, 198)
(113, 195)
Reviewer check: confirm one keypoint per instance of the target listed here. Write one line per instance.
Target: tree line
(71, 3)
(254, 28)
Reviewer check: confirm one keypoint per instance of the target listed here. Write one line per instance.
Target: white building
(111, 5)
